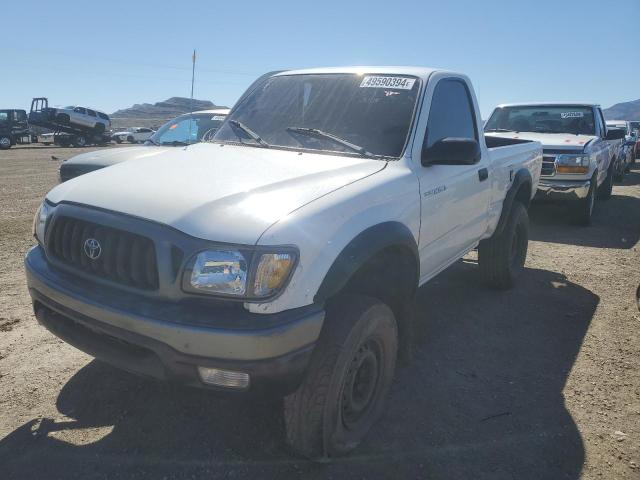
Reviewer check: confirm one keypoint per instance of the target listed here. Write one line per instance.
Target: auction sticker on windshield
(571, 114)
(403, 83)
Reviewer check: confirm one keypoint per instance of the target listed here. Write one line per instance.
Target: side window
(451, 113)
(103, 116)
(80, 110)
(91, 112)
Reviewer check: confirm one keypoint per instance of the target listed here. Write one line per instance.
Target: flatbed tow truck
(64, 135)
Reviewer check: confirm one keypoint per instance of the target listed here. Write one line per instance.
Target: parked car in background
(579, 153)
(13, 127)
(627, 154)
(83, 117)
(190, 128)
(133, 135)
(182, 130)
(282, 257)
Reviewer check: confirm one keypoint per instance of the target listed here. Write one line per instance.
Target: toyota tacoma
(282, 257)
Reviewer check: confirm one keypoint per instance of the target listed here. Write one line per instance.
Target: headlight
(251, 275)
(40, 221)
(220, 271)
(572, 163)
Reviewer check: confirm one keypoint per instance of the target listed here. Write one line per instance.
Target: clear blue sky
(112, 54)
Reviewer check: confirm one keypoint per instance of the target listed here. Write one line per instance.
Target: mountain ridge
(155, 114)
(623, 111)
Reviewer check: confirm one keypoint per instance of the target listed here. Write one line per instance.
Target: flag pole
(193, 74)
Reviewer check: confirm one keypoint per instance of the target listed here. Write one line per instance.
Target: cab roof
(420, 72)
(550, 104)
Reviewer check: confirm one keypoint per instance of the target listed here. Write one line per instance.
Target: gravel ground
(538, 382)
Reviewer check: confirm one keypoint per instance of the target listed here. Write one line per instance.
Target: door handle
(483, 174)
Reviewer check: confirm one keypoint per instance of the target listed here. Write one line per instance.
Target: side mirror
(452, 151)
(615, 134)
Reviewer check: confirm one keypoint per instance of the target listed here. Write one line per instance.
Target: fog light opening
(224, 378)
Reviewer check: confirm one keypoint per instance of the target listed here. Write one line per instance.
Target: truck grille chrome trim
(548, 165)
(123, 257)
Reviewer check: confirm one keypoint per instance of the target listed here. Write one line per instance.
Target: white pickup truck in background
(579, 152)
(283, 256)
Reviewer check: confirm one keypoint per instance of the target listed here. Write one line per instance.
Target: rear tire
(501, 258)
(118, 140)
(130, 139)
(63, 119)
(99, 128)
(79, 141)
(5, 142)
(347, 381)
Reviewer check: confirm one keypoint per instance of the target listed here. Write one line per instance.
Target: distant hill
(623, 111)
(154, 115)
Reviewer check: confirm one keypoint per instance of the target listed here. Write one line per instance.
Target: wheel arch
(520, 191)
(387, 249)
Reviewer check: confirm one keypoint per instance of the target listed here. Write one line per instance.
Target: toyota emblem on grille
(92, 248)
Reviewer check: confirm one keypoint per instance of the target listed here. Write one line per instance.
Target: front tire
(583, 209)
(501, 258)
(604, 191)
(347, 381)
(5, 142)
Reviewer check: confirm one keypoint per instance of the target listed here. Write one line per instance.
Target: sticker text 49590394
(402, 83)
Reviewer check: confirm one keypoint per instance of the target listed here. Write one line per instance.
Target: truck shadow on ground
(482, 399)
(615, 224)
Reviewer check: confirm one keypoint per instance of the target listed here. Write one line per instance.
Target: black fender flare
(362, 248)
(521, 177)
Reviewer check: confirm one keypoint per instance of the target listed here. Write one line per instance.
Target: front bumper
(565, 190)
(168, 341)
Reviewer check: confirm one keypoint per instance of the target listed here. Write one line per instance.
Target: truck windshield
(350, 114)
(577, 120)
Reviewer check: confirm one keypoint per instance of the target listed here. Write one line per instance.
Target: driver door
(454, 197)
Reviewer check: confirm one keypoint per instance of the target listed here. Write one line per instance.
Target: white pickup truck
(283, 256)
(579, 152)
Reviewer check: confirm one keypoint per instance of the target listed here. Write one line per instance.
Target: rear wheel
(79, 141)
(5, 142)
(501, 258)
(130, 139)
(347, 381)
(63, 118)
(99, 128)
(118, 140)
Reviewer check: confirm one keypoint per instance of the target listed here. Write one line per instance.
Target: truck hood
(555, 141)
(111, 156)
(216, 192)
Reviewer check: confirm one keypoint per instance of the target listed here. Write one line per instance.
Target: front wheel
(5, 142)
(583, 209)
(604, 191)
(347, 381)
(501, 258)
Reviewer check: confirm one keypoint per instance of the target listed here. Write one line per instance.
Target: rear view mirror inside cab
(452, 151)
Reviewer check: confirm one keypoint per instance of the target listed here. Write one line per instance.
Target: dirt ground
(540, 382)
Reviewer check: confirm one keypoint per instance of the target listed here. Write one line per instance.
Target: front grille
(548, 165)
(123, 258)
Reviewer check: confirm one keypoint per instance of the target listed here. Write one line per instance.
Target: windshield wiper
(498, 130)
(320, 133)
(253, 135)
(176, 143)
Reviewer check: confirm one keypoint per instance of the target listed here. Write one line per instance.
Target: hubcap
(4, 141)
(360, 384)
